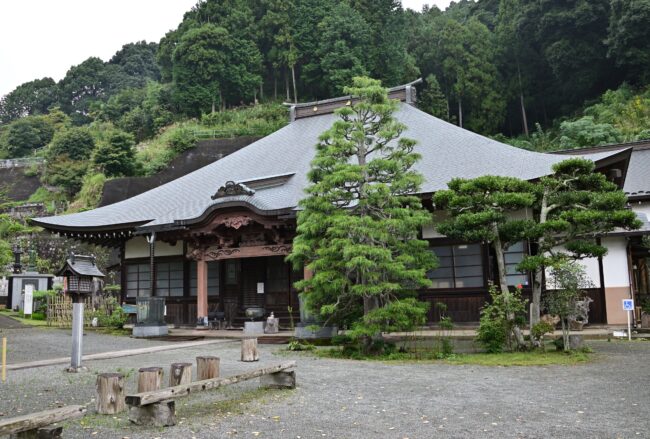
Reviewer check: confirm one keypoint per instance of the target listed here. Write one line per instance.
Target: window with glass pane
(213, 278)
(277, 275)
(513, 256)
(138, 281)
(169, 279)
(460, 266)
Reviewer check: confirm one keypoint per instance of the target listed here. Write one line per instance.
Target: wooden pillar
(180, 373)
(249, 350)
(110, 393)
(207, 368)
(149, 379)
(201, 290)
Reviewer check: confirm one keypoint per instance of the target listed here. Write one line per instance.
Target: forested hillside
(535, 73)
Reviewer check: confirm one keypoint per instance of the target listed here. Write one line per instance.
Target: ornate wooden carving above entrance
(216, 253)
(232, 189)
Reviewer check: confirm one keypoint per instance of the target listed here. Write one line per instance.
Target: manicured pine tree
(482, 210)
(358, 227)
(575, 205)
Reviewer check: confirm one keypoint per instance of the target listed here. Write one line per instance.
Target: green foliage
(66, 174)
(496, 323)
(586, 132)
(110, 315)
(90, 194)
(28, 99)
(432, 100)
(566, 283)
(182, 140)
(629, 37)
(115, 157)
(74, 143)
(540, 329)
(213, 67)
(300, 345)
(26, 134)
(259, 120)
(358, 225)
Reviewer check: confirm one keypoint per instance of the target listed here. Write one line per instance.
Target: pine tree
(358, 227)
(482, 210)
(575, 206)
(432, 100)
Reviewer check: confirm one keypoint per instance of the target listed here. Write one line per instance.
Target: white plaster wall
(590, 265)
(615, 262)
(139, 248)
(643, 207)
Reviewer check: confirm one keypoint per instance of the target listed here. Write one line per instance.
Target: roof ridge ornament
(231, 189)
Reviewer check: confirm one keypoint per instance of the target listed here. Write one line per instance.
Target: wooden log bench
(157, 408)
(39, 424)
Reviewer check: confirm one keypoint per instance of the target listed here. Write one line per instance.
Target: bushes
(182, 140)
(494, 332)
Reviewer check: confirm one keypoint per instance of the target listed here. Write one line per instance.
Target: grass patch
(21, 318)
(532, 358)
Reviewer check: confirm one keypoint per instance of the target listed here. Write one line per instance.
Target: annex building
(218, 236)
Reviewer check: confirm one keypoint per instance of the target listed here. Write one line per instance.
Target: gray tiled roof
(82, 265)
(447, 151)
(637, 181)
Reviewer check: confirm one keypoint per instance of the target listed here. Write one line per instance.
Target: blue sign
(628, 305)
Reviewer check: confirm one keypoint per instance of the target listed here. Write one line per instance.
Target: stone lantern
(78, 272)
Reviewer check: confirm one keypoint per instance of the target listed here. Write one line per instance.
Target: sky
(40, 38)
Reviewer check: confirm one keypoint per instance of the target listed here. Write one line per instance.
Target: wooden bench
(158, 408)
(39, 424)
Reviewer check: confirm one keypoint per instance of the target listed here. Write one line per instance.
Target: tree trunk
(275, 84)
(535, 306)
(565, 333)
(110, 393)
(249, 350)
(180, 373)
(295, 90)
(521, 101)
(149, 378)
(503, 283)
(460, 113)
(213, 105)
(286, 85)
(207, 368)
(261, 91)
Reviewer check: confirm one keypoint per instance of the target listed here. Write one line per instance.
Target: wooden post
(201, 290)
(149, 378)
(180, 373)
(110, 393)
(249, 350)
(207, 368)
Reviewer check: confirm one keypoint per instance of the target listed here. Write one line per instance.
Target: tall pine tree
(358, 228)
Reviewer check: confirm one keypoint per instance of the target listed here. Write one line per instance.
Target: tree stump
(249, 350)
(149, 378)
(180, 373)
(206, 368)
(110, 393)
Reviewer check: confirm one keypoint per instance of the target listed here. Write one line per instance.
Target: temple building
(216, 238)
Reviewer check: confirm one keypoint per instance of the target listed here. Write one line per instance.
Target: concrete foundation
(150, 331)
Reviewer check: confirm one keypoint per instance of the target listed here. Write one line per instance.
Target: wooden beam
(37, 420)
(146, 398)
(201, 289)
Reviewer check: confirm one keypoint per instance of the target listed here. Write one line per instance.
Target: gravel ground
(607, 398)
(30, 344)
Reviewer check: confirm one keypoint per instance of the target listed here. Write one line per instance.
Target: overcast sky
(40, 38)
